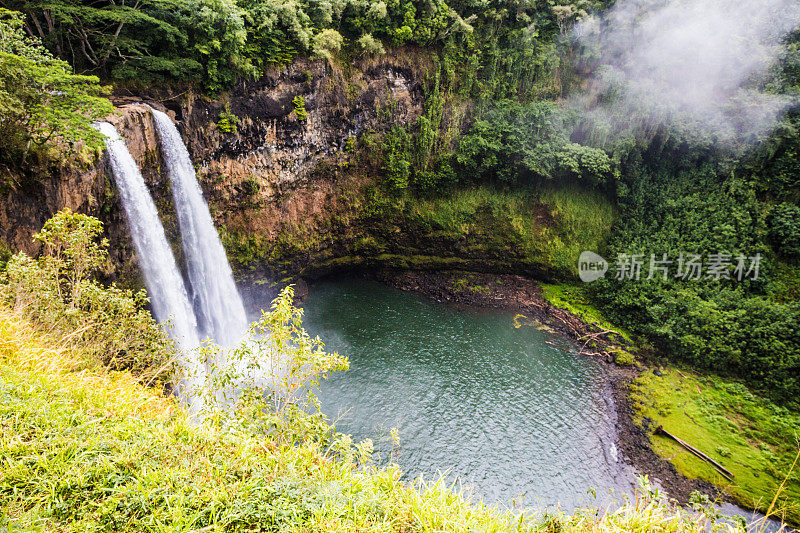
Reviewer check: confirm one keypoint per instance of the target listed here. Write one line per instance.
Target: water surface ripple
(509, 412)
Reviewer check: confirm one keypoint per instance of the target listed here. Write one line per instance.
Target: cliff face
(82, 185)
(290, 165)
(258, 179)
(288, 168)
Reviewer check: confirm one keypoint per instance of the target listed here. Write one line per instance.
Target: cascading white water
(218, 301)
(163, 279)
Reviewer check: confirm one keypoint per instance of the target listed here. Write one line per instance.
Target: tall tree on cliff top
(41, 101)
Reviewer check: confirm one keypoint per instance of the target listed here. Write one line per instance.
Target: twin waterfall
(164, 282)
(213, 307)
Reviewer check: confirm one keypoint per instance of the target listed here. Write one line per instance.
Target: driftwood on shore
(727, 474)
(594, 336)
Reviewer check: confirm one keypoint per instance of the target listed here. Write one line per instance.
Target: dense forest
(518, 64)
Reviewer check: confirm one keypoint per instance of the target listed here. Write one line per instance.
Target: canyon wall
(259, 175)
(290, 165)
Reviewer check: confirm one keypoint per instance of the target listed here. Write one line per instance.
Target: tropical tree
(41, 100)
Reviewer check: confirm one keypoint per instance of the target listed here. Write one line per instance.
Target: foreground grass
(86, 449)
(753, 438)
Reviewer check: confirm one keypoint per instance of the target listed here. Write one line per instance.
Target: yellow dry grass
(24, 348)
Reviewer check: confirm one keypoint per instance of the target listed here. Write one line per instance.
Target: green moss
(403, 262)
(753, 438)
(5, 253)
(574, 298)
(466, 284)
(550, 226)
(479, 226)
(622, 357)
(242, 249)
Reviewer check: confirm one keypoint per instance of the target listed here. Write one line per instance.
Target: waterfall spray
(164, 283)
(220, 306)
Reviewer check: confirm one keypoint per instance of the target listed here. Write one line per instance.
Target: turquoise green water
(508, 412)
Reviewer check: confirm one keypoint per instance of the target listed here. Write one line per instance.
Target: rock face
(259, 179)
(26, 206)
(82, 186)
(282, 170)
(290, 166)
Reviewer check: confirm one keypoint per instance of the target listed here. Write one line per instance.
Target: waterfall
(165, 285)
(217, 300)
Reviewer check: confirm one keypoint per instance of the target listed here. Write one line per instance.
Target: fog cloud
(702, 62)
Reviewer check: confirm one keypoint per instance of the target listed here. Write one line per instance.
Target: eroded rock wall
(82, 185)
(259, 179)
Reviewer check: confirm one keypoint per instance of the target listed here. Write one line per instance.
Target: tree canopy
(41, 101)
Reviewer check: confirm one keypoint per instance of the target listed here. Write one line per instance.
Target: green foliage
(513, 143)
(784, 283)
(145, 41)
(267, 385)
(327, 43)
(673, 207)
(227, 121)
(5, 254)
(299, 103)
(369, 45)
(494, 52)
(41, 101)
(58, 294)
(784, 229)
(72, 249)
(217, 37)
(397, 159)
(775, 165)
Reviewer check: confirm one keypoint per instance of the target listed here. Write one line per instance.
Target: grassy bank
(88, 449)
(573, 298)
(750, 436)
(753, 438)
(550, 225)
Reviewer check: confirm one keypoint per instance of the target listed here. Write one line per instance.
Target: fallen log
(727, 474)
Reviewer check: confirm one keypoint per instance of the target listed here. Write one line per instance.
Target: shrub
(227, 122)
(369, 45)
(327, 43)
(5, 254)
(56, 291)
(266, 385)
(299, 102)
(397, 165)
